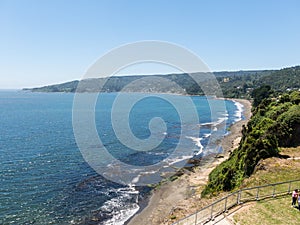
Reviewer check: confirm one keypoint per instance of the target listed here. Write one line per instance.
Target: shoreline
(179, 198)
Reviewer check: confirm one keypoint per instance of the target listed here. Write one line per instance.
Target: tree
(261, 93)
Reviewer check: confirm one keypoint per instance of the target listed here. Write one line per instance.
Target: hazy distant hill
(234, 84)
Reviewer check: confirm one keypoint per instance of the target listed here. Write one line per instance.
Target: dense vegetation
(241, 86)
(283, 80)
(235, 84)
(275, 123)
(155, 83)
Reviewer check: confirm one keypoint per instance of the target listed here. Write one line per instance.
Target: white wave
(216, 123)
(239, 112)
(207, 135)
(197, 141)
(119, 206)
(176, 160)
(206, 124)
(122, 217)
(137, 178)
(221, 120)
(225, 114)
(156, 153)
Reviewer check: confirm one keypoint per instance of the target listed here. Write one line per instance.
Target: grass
(275, 210)
(265, 212)
(269, 212)
(274, 170)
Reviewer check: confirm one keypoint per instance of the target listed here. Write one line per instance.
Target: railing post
(289, 191)
(238, 197)
(211, 212)
(257, 194)
(225, 208)
(274, 186)
(196, 218)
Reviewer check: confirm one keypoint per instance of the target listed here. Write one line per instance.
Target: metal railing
(222, 205)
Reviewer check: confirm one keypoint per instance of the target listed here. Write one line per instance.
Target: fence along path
(220, 206)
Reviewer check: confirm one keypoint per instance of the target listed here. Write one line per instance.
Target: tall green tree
(261, 93)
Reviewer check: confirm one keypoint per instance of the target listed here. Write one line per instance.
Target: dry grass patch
(274, 169)
(268, 212)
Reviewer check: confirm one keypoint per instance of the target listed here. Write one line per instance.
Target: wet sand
(177, 199)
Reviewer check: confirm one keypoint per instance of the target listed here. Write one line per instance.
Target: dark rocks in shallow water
(190, 168)
(179, 173)
(193, 162)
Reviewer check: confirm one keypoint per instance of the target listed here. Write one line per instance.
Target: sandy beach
(182, 197)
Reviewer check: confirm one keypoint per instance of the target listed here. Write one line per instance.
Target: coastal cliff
(275, 123)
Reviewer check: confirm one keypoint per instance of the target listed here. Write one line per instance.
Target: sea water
(44, 177)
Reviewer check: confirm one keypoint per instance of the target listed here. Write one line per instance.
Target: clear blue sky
(45, 42)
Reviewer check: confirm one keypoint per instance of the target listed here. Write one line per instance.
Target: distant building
(226, 79)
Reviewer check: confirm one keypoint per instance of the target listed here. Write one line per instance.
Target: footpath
(227, 218)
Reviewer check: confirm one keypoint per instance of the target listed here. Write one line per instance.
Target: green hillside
(276, 210)
(282, 80)
(230, 83)
(275, 123)
(234, 84)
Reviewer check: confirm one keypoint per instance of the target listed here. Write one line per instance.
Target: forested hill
(282, 80)
(234, 84)
(180, 83)
(278, 80)
(275, 123)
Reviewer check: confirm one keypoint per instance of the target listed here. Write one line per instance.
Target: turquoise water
(44, 178)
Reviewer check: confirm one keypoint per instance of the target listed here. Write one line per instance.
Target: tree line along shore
(234, 84)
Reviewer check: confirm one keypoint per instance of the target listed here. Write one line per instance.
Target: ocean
(47, 179)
